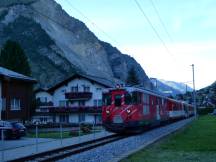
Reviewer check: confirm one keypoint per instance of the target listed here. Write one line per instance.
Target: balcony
(78, 95)
(84, 109)
(40, 104)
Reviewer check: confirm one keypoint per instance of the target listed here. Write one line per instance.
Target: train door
(158, 117)
(158, 112)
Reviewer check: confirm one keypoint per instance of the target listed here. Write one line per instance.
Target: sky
(180, 33)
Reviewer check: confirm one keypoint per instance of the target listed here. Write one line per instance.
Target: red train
(132, 109)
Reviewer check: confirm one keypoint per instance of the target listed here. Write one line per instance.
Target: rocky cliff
(58, 45)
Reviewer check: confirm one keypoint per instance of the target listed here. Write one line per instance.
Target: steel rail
(63, 152)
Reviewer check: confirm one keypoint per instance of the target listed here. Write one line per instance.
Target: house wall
(17, 89)
(74, 118)
(96, 89)
(43, 94)
(59, 95)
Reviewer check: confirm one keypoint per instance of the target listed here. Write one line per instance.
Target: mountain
(207, 96)
(181, 87)
(170, 88)
(58, 45)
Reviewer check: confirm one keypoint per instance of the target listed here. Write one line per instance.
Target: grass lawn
(56, 135)
(195, 143)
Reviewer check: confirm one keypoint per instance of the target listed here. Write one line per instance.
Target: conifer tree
(132, 78)
(13, 57)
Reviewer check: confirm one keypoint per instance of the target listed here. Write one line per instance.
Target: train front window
(107, 99)
(117, 100)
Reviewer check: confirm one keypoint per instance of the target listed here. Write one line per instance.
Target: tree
(13, 57)
(132, 78)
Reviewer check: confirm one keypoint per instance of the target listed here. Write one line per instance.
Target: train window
(162, 101)
(107, 99)
(117, 100)
(146, 98)
(136, 97)
(128, 99)
(146, 110)
(158, 101)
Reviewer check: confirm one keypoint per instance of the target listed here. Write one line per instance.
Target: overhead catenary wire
(155, 31)
(161, 21)
(152, 26)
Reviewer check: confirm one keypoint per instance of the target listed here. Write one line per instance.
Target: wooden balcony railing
(78, 95)
(83, 109)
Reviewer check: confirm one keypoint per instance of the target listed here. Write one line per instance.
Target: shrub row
(205, 111)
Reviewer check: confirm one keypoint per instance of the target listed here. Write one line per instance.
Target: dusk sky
(191, 37)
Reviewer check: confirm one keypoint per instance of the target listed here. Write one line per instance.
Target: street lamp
(194, 92)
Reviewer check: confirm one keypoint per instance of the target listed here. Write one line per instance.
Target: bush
(205, 111)
(85, 127)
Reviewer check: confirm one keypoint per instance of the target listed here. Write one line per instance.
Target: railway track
(63, 152)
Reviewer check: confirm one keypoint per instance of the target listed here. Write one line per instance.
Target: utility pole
(194, 92)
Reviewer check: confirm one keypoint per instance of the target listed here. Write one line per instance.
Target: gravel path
(117, 150)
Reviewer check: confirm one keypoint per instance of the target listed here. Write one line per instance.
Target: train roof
(147, 91)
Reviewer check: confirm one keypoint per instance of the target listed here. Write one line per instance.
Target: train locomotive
(132, 110)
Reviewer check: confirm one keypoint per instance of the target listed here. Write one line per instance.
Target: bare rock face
(58, 45)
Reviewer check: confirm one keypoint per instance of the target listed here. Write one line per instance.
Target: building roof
(99, 80)
(11, 74)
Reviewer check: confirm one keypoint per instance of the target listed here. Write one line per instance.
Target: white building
(77, 99)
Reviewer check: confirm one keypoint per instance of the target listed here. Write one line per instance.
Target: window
(74, 89)
(81, 103)
(4, 104)
(43, 99)
(64, 118)
(43, 119)
(15, 104)
(63, 90)
(136, 97)
(163, 101)
(62, 103)
(98, 89)
(128, 99)
(117, 100)
(158, 101)
(107, 100)
(146, 109)
(86, 88)
(146, 98)
(97, 102)
(81, 117)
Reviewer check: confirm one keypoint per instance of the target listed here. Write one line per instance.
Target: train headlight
(107, 111)
(128, 111)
